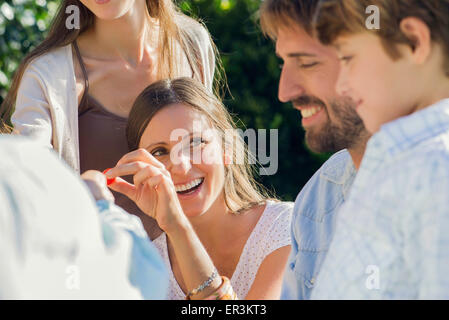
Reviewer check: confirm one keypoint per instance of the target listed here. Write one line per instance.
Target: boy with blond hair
(392, 236)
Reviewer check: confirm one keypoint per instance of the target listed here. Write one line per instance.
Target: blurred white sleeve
(54, 242)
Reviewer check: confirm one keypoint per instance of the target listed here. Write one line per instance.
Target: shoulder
(334, 168)
(333, 171)
(431, 156)
(52, 70)
(423, 167)
(275, 221)
(54, 62)
(278, 209)
(195, 30)
(337, 158)
(410, 188)
(325, 189)
(419, 176)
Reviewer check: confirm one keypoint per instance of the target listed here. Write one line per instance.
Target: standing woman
(73, 93)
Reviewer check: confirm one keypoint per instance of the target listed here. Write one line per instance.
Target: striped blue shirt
(392, 234)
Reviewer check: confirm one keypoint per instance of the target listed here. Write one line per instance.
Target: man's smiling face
(309, 75)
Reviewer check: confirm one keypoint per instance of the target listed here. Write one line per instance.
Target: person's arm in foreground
(54, 230)
(145, 260)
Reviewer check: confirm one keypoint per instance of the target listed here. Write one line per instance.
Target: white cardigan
(47, 104)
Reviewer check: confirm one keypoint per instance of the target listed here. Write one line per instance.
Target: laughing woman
(221, 233)
(73, 93)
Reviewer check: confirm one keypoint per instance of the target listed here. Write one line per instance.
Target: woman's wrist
(211, 288)
(200, 268)
(173, 220)
(224, 292)
(177, 227)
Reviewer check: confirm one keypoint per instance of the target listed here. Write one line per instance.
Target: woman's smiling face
(182, 139)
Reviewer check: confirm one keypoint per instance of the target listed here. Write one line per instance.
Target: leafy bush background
(248, 58)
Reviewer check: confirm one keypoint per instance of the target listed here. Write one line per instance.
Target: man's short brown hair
(344, 17)
(285, 13)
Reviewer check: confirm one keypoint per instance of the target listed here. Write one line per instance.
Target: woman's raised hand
(153, 190)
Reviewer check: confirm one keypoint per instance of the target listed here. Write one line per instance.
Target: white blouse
(271, 232)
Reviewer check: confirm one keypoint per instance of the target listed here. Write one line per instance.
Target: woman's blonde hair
(4, 128)
(170, 36)
(241, 189)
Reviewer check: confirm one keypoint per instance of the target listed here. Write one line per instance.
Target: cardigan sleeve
(32, 115)
(47, 105)
(207, 56)
(199, 40)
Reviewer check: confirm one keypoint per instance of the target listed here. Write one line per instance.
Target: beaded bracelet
(225, 292)
(203, 286)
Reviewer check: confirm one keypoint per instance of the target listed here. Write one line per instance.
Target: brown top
(102, 141)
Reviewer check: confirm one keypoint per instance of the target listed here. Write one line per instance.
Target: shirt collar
(342, 173)
(403, 133)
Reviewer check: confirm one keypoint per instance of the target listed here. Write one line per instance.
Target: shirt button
(312, 281)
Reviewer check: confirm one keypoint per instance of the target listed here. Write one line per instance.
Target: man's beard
(345, 132)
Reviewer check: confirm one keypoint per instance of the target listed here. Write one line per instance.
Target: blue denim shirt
(313, 223)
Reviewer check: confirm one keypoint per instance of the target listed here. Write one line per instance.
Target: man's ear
(419, 34)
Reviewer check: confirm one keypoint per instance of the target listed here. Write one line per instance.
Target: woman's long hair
(4, 128)
(170, 35)
(241, 190)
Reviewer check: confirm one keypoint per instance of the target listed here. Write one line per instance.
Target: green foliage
(22, 26)
(248, 58)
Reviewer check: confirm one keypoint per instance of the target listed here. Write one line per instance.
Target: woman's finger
(132, 168)
(154, 181)
(124, 187)
(166, 190)
(145, 174)
(126, 169)
(140, 155)
(161, 185)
